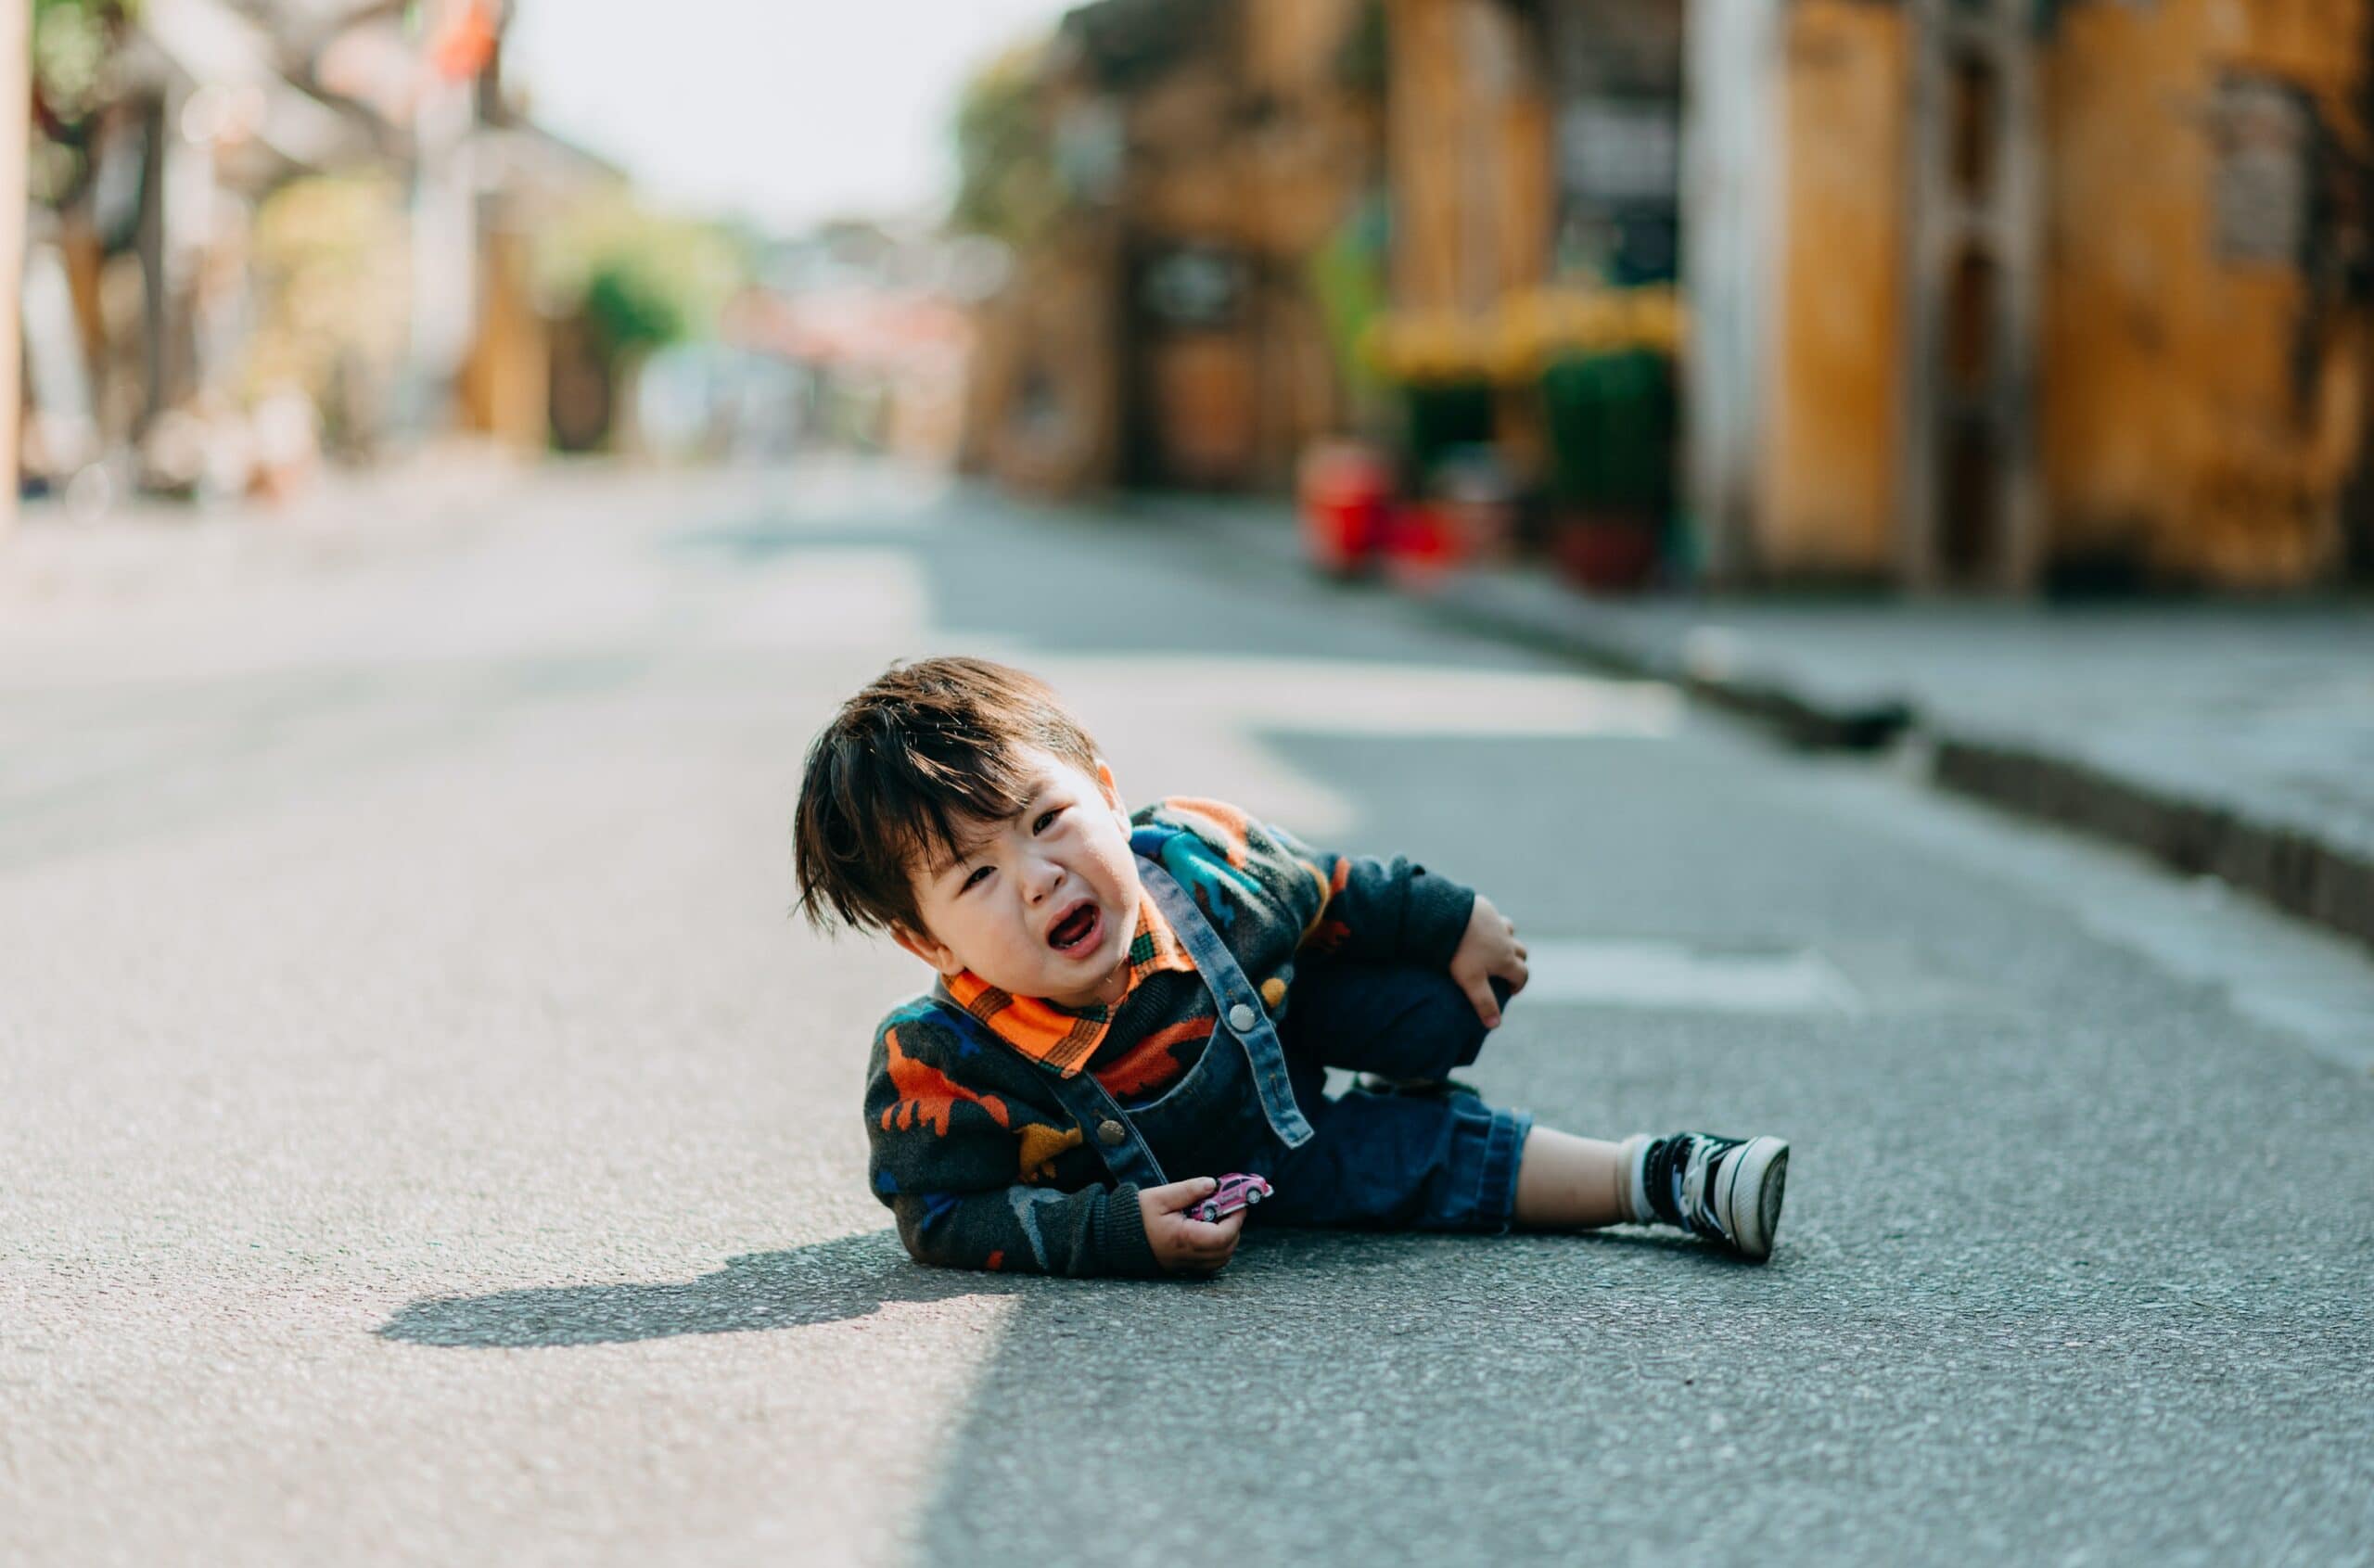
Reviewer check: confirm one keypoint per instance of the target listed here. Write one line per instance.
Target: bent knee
(1443, 1026)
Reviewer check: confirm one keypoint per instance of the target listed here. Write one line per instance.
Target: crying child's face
(1043, 903)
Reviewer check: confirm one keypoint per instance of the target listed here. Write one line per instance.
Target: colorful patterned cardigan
(983, 1167)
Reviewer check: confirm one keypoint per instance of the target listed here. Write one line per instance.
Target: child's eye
(978, 872)
(1041, 826)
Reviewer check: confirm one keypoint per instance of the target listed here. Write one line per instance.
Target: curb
(1512, 606)
(2290, 867)
(2295, 870)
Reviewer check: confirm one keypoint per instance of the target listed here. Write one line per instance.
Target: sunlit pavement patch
(1370, 698)
(1668, 976)
(1214, 711)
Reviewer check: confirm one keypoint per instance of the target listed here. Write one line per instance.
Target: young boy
(1131, 1005)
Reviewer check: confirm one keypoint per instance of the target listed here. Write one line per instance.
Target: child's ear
(923, 948)
(1112, 790)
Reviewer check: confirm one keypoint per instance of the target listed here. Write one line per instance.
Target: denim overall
(1235, 1108)
(1443, 1161)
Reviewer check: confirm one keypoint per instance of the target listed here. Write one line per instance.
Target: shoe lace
(1698, 1216)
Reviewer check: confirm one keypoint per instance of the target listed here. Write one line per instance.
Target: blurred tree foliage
(72, 42)
(1006, 182)
(1348, 278)
(644, 279)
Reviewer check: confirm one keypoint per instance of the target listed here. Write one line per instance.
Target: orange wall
(2182, 424)
(1828, 471)
(1291, 46)
(506, 380)
(1468, 145)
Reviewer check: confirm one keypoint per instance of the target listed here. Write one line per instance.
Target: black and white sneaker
(1727, 1189)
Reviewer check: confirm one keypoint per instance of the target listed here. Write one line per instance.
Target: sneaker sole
(1755, 1176)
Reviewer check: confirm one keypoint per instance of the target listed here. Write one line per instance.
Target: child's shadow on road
(855, 1277)
(848, 1277)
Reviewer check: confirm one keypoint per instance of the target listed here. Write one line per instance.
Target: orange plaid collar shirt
(1059, 1037)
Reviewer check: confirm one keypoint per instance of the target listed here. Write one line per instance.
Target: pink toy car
(1233, 1192)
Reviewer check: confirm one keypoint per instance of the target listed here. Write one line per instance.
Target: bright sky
(789, 111)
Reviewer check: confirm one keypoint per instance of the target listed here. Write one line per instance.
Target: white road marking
(1667, 974)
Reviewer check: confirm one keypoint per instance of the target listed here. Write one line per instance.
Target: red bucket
(1422, 542)
(1344, 491)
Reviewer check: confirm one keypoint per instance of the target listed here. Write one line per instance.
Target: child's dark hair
(886, 784)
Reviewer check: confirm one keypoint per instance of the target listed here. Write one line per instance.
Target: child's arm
(1030, 1229)
(1184, 1245)
(1380, 911)
(1397, 913)
(1350, 907)
(947, 1158)
(1489, 951)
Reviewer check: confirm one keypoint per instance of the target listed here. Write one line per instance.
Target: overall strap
(1239, 1005)
(1104, 1126)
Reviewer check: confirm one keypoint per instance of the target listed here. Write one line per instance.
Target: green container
(1444, 416)
(1611, 421)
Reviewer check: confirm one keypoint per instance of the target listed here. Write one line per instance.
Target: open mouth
(1077, 931)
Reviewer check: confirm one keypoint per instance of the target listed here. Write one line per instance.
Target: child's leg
(1570, 1183)
(1397, 1022)
(1444, 1162)
(1451, 1163)
(1728, 1189)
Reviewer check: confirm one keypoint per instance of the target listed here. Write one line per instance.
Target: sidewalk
(145, 548)
(2227, 740)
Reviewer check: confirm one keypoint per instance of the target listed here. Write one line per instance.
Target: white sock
(1635, 1165)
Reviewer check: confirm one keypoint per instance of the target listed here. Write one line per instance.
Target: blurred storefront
(1979, 296)
(2107, 327)
(1959, 295)
(1533, 321)
(1162, 325)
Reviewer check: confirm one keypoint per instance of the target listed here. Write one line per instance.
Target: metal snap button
(1110, 1133)
(1240, 1017)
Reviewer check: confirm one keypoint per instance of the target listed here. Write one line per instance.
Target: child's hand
(1489, 950)
(1182, 1246)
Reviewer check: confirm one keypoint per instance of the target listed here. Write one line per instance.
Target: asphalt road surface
(424, 1137)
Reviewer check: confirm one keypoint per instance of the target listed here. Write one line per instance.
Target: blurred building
(284, 226)
(1995, 295)
(1163, 325)
(1980, 295)
(1977, 296)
